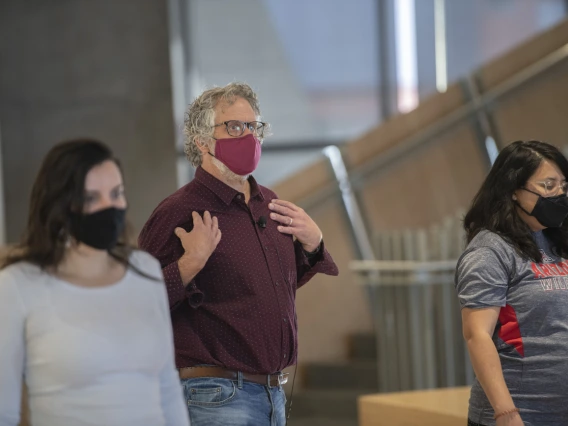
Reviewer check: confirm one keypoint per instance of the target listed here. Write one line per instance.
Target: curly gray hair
(200, 115)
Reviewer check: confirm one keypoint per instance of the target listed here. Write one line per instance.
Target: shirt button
(276, 283)
(239, 196)
(284, 356)
(285, 319)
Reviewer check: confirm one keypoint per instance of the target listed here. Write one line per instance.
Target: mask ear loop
(200, 145)
(532, 192)
(519, 204)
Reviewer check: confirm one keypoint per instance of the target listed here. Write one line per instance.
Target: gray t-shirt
(531, 335)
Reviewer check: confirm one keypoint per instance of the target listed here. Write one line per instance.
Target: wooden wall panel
(431, 183)
(537, 111)
(524, 55)
(393, 131)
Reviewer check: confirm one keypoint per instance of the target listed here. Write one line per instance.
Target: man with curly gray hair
(200, 117)
(232, 295)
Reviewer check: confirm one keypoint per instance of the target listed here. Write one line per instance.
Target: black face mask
(550, 211)
(101, 229)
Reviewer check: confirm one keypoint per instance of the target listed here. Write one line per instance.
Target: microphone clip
(261, 222)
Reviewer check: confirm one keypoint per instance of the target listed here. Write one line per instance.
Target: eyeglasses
(236, 128)
(552, 187)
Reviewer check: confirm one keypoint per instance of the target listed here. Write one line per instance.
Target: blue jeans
(214, 401)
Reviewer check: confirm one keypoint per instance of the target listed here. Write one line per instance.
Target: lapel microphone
(261, 222)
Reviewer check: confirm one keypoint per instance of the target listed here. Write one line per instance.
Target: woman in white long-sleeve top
(84, 319)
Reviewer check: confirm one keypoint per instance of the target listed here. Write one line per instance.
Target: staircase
(329, 396)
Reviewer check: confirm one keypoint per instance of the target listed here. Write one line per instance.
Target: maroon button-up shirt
(239, 311)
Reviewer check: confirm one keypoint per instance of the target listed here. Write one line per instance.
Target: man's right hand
(199, 245)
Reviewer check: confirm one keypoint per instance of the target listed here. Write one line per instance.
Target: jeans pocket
(209, 391)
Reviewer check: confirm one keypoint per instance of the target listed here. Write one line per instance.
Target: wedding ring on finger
(291, 220)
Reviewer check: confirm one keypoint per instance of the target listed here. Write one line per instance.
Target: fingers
(216, 231)
(283, 210)
(197, 221)
(207, 221)
(285, 220)
(180, 232)
(286, 204)
(210, 222)
(286, 230)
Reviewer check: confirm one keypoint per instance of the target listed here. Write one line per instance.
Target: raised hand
(297, 222)
(199, 245)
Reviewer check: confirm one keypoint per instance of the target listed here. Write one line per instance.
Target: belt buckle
(282, 379)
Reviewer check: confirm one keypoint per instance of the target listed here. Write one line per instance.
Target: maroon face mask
(241, 155)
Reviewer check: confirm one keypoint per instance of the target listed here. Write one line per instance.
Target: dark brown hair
(57, 192)
(494, 209)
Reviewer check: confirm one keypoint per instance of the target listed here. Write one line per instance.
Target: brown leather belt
(206, 371)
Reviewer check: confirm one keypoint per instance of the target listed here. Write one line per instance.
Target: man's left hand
(295, 221)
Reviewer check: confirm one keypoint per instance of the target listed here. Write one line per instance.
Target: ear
(202, 146)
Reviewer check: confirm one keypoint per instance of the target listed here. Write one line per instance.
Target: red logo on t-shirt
(553, 276)
(548, 270)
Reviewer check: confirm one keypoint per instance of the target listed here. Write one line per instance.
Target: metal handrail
(402, 266)
(359, 174)
(404, 273)
(409, 341)
(358, 227)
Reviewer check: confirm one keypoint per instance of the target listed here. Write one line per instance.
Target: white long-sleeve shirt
(90, 356)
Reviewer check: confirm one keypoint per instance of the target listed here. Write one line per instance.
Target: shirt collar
(222, 190)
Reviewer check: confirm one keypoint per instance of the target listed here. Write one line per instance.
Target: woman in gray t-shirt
(512, 284)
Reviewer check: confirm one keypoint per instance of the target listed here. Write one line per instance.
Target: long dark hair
(494, 209)
(58, 191)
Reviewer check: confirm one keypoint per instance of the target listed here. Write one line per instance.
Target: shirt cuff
(313, 257)
(311, 254)
(177, 292)
(194, 295)
(320, 261)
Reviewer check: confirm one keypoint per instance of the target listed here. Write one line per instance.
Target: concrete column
(84, 68)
